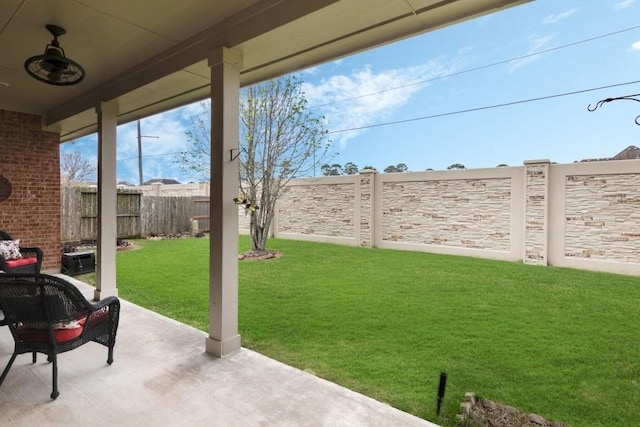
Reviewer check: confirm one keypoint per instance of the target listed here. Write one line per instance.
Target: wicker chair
(49, 315)
(30, 263)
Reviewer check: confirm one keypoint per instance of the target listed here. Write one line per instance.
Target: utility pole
(140, 152)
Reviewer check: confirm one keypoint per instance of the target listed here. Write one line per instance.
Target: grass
(562, 343)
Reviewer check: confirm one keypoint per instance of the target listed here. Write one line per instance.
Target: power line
(487, 107)
(482, 67)
(154, 155)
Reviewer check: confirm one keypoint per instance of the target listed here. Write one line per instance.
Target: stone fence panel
(582, 215)
(461, 212)
(595, 216)
(323, 209)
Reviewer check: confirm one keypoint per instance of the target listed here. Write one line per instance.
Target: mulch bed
(259, 255)
(90, 245)
(478, 412)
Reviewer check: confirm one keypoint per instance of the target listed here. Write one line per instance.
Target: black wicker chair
(49, 315)
(30, 263)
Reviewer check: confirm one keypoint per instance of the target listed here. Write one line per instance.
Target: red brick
(30, 160)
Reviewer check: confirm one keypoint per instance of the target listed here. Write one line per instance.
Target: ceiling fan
(53, 67)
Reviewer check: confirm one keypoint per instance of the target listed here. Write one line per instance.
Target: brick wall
(30, 161)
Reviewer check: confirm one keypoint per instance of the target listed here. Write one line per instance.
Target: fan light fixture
(53, 67)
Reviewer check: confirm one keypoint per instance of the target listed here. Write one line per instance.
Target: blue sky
(480, 63)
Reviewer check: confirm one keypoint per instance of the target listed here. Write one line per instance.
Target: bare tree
(195, 160)
(280, 140)
(74, 168)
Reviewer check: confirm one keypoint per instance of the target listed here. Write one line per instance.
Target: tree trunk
(258, 237)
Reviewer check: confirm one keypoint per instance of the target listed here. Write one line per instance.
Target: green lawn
(558, 342)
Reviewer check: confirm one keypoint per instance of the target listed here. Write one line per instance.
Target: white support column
(223, 264)
(107, 215)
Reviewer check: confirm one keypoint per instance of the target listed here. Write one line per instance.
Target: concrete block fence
(581, 215)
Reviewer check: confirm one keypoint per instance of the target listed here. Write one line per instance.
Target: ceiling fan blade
(54, 65)
(54, 77)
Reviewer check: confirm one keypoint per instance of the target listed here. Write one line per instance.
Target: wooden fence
(165, 215)
(200, 206)
(138, 215)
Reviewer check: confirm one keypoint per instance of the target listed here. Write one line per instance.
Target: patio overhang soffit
(151, 55)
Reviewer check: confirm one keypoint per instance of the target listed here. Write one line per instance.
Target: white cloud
(555, 18)
(535, 45)
(635, 46)
(159, 153)
(623, 4)
(465, 50)
(365, 96)
(311, 71)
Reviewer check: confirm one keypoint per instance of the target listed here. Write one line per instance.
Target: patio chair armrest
(107, 302)
(107, 309)
(39, 253)
(34, 250)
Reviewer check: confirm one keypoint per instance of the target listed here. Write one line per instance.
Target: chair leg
(6, 370)
(110, 356)
(34, 357)
(54, 392)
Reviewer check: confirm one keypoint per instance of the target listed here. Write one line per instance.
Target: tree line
(349, 168)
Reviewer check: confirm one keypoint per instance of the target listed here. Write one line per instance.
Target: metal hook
(232, 155)
(626, 97)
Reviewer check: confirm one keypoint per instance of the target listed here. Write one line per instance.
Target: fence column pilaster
(157, 189)
(536, 211)
(366, 224)
(204, 189)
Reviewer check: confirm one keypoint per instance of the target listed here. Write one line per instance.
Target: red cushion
(13, 263)
(26, 333)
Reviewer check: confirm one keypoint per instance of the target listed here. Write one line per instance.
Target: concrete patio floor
(161, 376)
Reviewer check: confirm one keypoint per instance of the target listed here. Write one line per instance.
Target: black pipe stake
(441, 387)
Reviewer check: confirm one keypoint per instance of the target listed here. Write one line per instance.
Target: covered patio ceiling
(150, 56)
